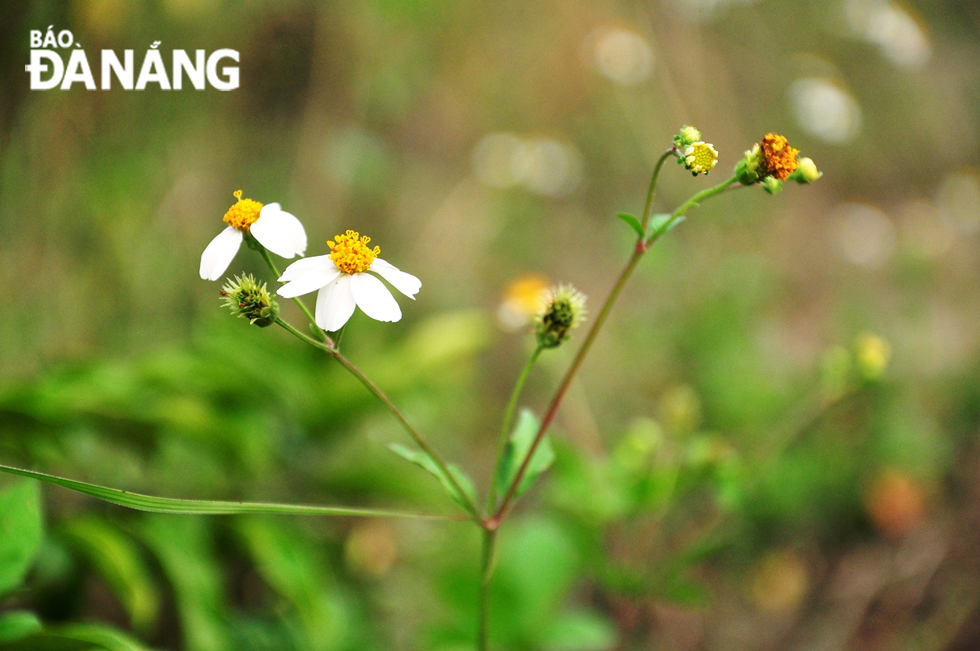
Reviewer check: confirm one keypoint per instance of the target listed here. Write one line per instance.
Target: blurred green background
(731, 473)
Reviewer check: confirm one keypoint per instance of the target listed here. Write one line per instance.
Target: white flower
(343, 284)
(273, 228)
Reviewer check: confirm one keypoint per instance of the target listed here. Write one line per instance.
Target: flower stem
(414, 433)
(395, 411)
(641, 247)
(487, 561)
(508, 419)
(648, 207)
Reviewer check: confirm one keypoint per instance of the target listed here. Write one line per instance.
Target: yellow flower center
(243, 214)
(701, 158)
(350, 252)
(778, 158)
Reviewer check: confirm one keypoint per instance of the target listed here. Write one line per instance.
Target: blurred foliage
(738, 465)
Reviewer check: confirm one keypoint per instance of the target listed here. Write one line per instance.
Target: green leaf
(579, 631)
(423, 460)
(75, 637)
(294, 565)
(20, 522)
(154, 504)
(119, 560)
(18, 624)
(660, 224)
(516, 450)
(185, 551)
(633, 222)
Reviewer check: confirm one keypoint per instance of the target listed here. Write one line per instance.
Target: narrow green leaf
(121, 563)
(633, 222)
(18, 624)
(421, 459)
(154, 504)
(660, 224)
(516, 450)
(20, 522)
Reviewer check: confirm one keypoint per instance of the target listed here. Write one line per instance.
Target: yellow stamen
(243, 214)
(351, 254)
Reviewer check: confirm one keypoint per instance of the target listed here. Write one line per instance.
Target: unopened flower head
(269, 225)
(687, 136)
(807, 171)
(247, 299)
(343, 283)
(872, 354)
(699, 157)
(563, 310)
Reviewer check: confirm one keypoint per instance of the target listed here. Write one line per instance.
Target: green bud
(772, 185)
(687, 136)
(564, 309)
(807, 172)
(747, 169)
(247, 299)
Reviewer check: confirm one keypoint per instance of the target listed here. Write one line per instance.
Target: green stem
(487, 561)
(414, 433)
(692, 201)
(508, 419)
(641, 247)
(648, 207)
(395, 411)
(321, 335)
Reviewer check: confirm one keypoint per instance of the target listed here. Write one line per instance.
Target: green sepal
(633, 222)
(423, 460)
(516, 450)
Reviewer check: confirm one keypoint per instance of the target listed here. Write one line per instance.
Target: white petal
(303, 266)
(219, 253)
(313, 274)
(334, 304)
(374, 298)
(407, 284)
(279, 231)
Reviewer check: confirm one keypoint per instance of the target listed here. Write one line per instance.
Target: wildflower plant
(351, 274)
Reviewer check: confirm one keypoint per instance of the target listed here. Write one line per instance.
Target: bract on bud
(247, 299)
(772, 185)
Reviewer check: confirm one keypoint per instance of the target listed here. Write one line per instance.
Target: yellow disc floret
(778, 158)
(351, 254)
(700, 158)
(243, 214)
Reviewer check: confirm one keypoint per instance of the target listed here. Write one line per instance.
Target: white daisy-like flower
(700, 157)
(343, 283)
(273, 228)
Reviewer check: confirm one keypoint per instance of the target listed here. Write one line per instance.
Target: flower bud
(247, 299)
(807, 172)
(872, 354)
(747, 169)
(687, 136)
(564, 309)
(772, 185)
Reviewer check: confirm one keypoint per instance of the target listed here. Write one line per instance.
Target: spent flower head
(564, 309)
(772, 161)
(343, 283)
(269, 225)
(247, 299)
